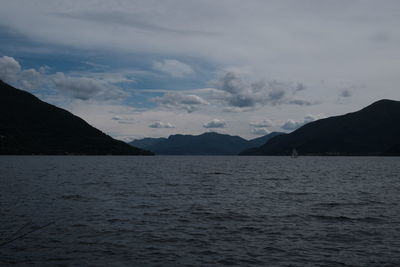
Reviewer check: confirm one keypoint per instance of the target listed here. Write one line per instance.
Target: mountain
(256, 142)
(31, 126)
(374, 130)
(209, 143)
(145, 142)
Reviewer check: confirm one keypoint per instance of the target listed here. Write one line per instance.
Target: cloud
(189, 103)
(122, 120)
(345, 93)
(9, 69)
(295, 41)
(12, 72)
(301, 102)
(173, 67)
(308, 41)
(380, 37)
(159, 124)
(128, 20)
(30, 78)
(215, 123)
(85, 88)
(237, 93)
(291, 125)
(260, 131)
(300, 87)
(261, 124)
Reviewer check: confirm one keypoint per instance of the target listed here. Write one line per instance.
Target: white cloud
(173, 67)
(9, 69)
(260, 131)
(159, 124)
(187, 102)
(12, 72)
(291, 125)
(30, 79)
(85, 88)
(215, 123)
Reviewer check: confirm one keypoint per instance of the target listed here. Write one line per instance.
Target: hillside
(259, 141)
(374, 130)
(31, 126)
(146, 142)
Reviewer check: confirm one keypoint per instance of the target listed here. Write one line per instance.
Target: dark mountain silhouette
(209, 143)
(374, 130)
(145, 142)
(31, 126)
(256, 142)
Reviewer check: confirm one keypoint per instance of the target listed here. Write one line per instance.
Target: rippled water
(200, 211)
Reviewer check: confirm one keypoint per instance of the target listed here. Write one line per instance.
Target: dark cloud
(300, 87)
(261, 124)
(276, 95)
(215, 124)
(159, 124)
(301, 102)
(235, 92)
(345, 93)
(189, 103)
(85, 88)
(121, 120)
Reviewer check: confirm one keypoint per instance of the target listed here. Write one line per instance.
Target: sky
(153, 68)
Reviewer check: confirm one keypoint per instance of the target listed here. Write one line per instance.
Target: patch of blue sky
(142, 101)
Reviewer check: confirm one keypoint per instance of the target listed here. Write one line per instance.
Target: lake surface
(200, 211)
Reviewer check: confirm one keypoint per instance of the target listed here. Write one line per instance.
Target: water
(200, 211)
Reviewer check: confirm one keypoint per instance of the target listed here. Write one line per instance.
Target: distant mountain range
(31, 126)
(209, 143)
(146, 142)
(374, 130)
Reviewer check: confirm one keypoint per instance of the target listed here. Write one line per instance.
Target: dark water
(200, 211)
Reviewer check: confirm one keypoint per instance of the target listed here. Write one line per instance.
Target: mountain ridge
(373, 130)
(29, 125)
(208, 143)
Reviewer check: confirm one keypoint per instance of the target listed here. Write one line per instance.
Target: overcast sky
(154, 68)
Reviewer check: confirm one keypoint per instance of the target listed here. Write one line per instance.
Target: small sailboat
(295, 154)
